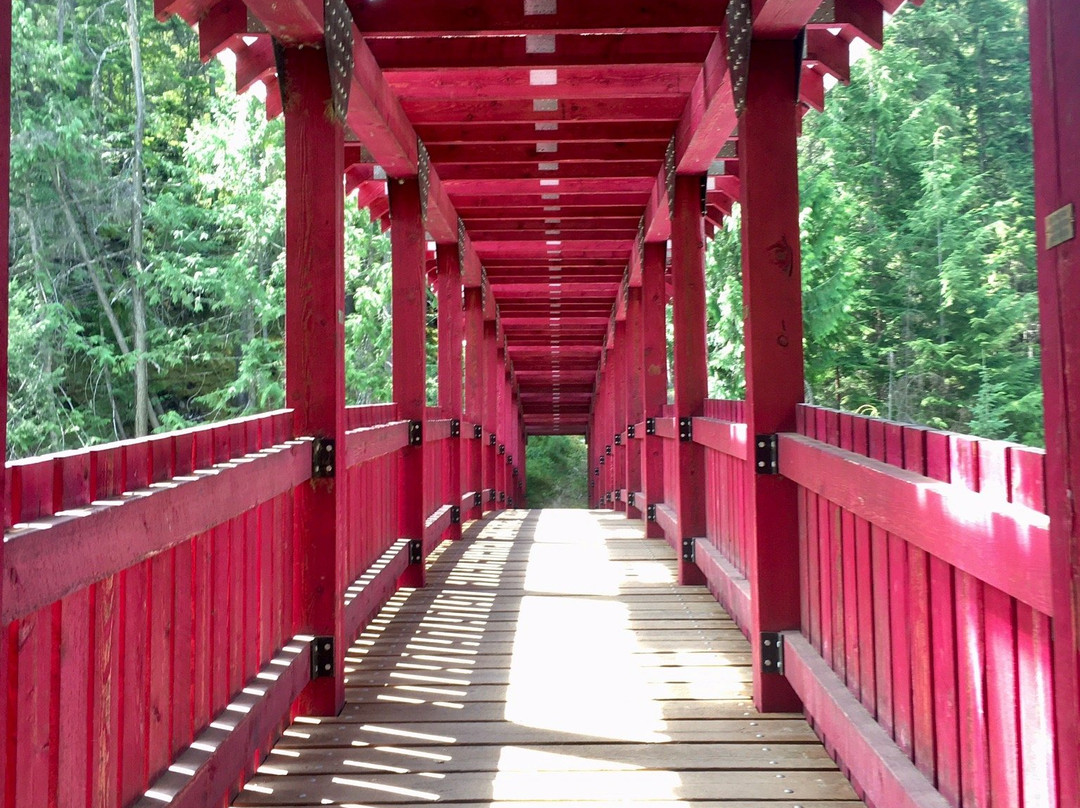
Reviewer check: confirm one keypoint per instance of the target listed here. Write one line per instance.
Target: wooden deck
(551, 658)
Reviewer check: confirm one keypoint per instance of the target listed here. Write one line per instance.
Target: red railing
(925, 583)
(150, 652)
(141, 594)
(924, 577)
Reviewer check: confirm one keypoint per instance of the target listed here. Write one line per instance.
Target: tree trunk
(138, 298)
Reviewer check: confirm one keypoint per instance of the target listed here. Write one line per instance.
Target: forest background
(147, 238)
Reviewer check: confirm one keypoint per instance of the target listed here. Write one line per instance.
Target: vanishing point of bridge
(770, 604)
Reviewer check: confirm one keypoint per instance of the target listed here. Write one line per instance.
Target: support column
(618, 390)
(772, 302)
(501, 431)
(654, 378)
(491, 412)
(1055, 63)
(474, 392)
(315, 350)
(450, 334)
(690, 366)
(634, 407)
(408, 252)
(5, 174)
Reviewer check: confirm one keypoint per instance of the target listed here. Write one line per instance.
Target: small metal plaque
(1060, 226)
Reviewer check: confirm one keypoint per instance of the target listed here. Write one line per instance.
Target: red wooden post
(408, 248)
(5, 169)
(772, 300)
(314, 349)
(491, 411)
(690, 366)
(654, 373)
(501, 431)
(474, 390)
(634, 407)
(450, 328)
(618, 391)
(1055, 63)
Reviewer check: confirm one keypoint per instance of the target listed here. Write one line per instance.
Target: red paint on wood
(314, 344)
(409, 248)
(1054, 29)
(475, 372)
(945, 520)
(451, 333)
(773, 335)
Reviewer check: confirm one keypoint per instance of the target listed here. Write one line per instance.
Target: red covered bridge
(171, 605)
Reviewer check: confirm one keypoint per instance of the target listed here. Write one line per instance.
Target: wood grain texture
(521, 674)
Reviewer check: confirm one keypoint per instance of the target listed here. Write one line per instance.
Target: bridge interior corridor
(551, 657)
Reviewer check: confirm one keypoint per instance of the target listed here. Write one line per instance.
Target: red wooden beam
(552, 169)
(294, 22)
(658, 108)
(861, 18)
(608, 81)
(654, 379)
(369, 442)
(1055, 60)
(409, 258)
(314, 356)
(783, 19)
(545, 148)
(555, 50)
(710, 115)
(479, 17)
(772, 301)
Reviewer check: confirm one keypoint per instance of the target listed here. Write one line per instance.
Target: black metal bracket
(509, 460)
(510, 503)
(455, 428)
(686, 430)
(650, 513)
(630, 499)
(650, 426)
(601, 461)
(596, 472)
(502, 496)
(631, 431)
(515, 471)
(772, 652)
(492, 497)
(689, 546)
(607, 450)
(618, 439)
(477, 431)
(502, 448)
(705, 193)
(322, 657)
(323, 459)
(416, 433)
(455, 514)
(416, 551)
(618, 495)
(478, 499)
(766, 454)
(492, 439)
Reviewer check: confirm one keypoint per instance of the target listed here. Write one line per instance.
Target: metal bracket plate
(502, 448)
(477, 431)
(686, 430)
(630, 499)
(650, 426)
(455, 514)
(455, 428)
(323, 459)
(502, 496)
(416, 551)
(322, 657)
(492, 497)
(618, 439)
(596, 472)
(766, 454)
(772, 652)
(631, 431)
(689, 546)
(491, 439)
(339, 53)
(601, 461)
(650, 513)
(416, 433)
(478, 499)
(618, 496)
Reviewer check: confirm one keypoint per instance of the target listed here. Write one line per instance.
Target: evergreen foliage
(558, 477)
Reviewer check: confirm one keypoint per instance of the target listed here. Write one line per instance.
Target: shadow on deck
(551, 657)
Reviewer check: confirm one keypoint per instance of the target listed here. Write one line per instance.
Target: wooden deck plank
(550, 658)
